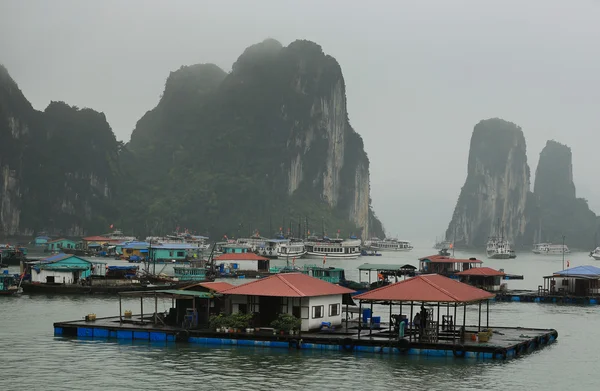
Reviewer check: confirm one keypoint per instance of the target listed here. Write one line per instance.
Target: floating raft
(535, 297)
(506, 342)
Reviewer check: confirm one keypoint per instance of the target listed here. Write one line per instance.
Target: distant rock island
(265, 146)
(497, 189)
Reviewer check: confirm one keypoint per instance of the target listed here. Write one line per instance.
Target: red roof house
(312, 300)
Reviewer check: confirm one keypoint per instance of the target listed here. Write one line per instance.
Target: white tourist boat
(332, 248)
(388, 244)
(499, 248)
(550, 249)
(292, 249)
(442, 244)
(596, 254)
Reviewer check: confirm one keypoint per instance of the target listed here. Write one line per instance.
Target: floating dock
(538, 297)
(505, 343)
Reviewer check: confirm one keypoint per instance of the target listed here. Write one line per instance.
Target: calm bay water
(32, 358)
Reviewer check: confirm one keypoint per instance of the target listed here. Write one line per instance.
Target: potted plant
(286, 323)
(240, 321)
(217, 322)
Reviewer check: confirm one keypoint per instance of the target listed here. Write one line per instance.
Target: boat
(550, 249)
(8, 284)
(388, 244)
(512, 254)
(11, 255)
(498, 248)
(442, 244)
(291, 249)
(332, 248)
(595, 254)
(255, 241)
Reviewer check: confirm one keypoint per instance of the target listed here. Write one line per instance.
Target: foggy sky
(419, 75)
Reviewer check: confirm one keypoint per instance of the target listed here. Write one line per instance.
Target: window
(243, 308)
(297, 312)
(565, 282)
(334, 309)
(180, 253)
(317, 311)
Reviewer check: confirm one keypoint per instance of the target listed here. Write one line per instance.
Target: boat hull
(312, 255)
(596, 257)
(499, 256)
(292, 255)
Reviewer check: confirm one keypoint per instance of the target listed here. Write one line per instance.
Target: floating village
(393, 308)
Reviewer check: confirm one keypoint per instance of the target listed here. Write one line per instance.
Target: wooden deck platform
(506, 342)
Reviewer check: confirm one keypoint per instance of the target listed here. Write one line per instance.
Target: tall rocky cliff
(57, 167)
(270, 141)
(496, 188)
(557, 209)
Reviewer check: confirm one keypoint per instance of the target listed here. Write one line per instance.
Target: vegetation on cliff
(62, 163)
(227, 153)
(559, 211)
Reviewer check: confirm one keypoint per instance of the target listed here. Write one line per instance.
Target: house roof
(240, 257)
(427, 288)
(587, 271)
(443, 259)
(97, 239)
(218, 286)
(60, 240)
(135, 245)
(288, 285)
(381, 266)
(481, 271)
(63, 256)
(175, 246)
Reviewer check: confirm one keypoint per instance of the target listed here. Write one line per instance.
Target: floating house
(133, 249)
(250, 309)
(446, 266)
(484, 278)
(384, 271)
(59, 244)
(40, 241)
(242, 262)
(95, 243)
(65, 269)
(168, 252)
(310, 299)
(577, 281)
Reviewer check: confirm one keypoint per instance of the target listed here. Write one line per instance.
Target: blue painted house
(133, 249)
(59, 244)
(65, 269)
(174, 251)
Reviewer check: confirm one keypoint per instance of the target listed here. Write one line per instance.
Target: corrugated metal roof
(175, 246)
(240, 257)
(288, 285)
(589, 271)
(96, 239)
(481, 271)
(60, 240)
(427, 288)
(57, 257)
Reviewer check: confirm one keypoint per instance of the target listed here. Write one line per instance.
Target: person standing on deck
(423, 317)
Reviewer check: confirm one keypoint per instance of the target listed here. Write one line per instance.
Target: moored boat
(8, 284)
(332, 248)
(388, 244)
(550, 249)
(595, 254)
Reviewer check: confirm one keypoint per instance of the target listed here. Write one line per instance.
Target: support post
(410, 322)
(155, 308)
(120, 310)
(465, 317)
(346, 317)
(454, 326)
(479, 324)
(371, 320)
(487, 322)
(360, 319)
(437, 331)
(390, 321)
(142, 307)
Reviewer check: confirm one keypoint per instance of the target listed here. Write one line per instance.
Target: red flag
(568, 264)
(111, 226)
(324, 258)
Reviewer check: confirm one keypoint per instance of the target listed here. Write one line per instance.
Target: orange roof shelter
(436, 294)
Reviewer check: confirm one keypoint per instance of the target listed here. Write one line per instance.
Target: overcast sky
(419, 75)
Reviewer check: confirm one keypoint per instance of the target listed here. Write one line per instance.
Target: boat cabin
(8, 284)
(483, 278)
(446, 266)
(334, 275)
(384, 273)
(65, 269)
(577, 281)
(40, 241)
(233, 262)
(178, 252)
